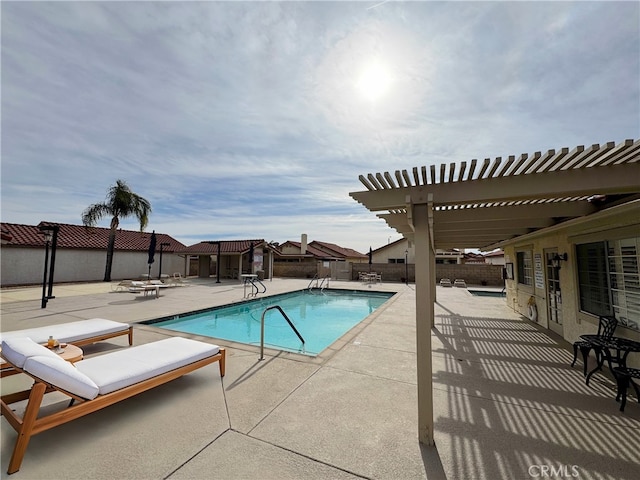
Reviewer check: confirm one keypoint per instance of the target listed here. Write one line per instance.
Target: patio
(506, 402)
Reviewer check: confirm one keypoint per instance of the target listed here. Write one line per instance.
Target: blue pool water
(321, 318)
(487, 293)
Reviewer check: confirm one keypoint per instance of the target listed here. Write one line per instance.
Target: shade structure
(488, 204)
(480, 204)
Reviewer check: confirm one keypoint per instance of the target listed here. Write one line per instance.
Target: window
(396, 260)
(592, 278)
(446, 261)
(609, 279)
(525, 267)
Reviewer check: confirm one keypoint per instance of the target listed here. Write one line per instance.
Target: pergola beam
(616, 179)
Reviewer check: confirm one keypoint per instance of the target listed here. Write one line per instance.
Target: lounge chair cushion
(62, 374)
(122, 368)
(69, 332)
(18, 350)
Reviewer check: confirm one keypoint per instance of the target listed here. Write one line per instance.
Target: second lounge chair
(93, 383)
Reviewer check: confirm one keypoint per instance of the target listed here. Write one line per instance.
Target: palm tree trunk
(110, 249)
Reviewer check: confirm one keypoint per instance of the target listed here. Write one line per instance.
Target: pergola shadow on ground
(516, 406)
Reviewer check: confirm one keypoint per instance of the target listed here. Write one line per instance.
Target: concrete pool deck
(506, 402)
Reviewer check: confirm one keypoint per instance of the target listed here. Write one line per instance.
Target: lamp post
(406, 267)
(50, 233)
(164, 244)
(52, 264)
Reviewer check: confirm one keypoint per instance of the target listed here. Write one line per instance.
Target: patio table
(604, 348)
(371, 277)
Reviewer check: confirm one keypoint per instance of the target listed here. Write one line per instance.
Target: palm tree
(121, 202)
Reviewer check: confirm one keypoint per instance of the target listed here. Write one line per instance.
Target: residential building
(315, 259)
(81, 254)
(229, 258)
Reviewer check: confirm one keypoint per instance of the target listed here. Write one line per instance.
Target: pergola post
(432, 279)
(424, 266)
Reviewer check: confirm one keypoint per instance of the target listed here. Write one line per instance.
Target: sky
(247, 120)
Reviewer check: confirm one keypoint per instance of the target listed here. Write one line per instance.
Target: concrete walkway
(507, 404)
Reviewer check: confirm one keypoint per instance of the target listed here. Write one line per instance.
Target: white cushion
(62, 374)
(117, 370)
(18, 350)
(69, 332)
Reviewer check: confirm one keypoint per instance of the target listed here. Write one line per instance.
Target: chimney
(303, 244)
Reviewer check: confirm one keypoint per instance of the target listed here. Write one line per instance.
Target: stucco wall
(25, 266)
(575, 321)
(295, 270)
(518, 295)
(396, 251)
(474, 274)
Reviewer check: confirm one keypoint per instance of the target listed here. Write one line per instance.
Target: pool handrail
(252, 293)
(320, 285)
(264, 287)
(315, 277)
(277, 307)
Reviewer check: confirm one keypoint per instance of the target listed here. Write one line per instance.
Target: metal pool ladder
(252, 282)
(277, 307)
(319, 283)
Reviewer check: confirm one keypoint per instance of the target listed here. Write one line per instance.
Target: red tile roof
(310, 250)
(341, 251)
(226, 247)
(77, 236)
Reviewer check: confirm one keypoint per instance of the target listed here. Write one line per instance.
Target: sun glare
(374, 82)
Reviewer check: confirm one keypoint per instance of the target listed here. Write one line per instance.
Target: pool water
(487, 293)
(321, 318)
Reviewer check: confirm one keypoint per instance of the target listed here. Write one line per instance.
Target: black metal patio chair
(606, 327)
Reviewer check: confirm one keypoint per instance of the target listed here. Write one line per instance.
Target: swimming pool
(321, 318)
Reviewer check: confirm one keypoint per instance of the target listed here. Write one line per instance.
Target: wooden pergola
(481, 204)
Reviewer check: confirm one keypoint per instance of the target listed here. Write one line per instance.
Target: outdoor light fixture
(50, 233)
(555, 261)
(406, 267)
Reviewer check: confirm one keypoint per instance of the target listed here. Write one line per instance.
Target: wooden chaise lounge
(80, 333)
(93, 383)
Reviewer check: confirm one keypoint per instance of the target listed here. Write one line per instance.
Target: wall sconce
(406, 267)
(555, 261)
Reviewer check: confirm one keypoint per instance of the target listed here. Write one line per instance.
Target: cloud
(244, 119)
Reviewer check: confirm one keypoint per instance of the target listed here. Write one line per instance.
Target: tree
(121, 202)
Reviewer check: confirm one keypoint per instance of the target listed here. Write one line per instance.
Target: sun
(374, 81)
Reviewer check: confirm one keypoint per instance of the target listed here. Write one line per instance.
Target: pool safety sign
(257, 262)
(538, 272)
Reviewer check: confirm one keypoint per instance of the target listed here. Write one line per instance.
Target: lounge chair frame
(8, 369)
(29, 424)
